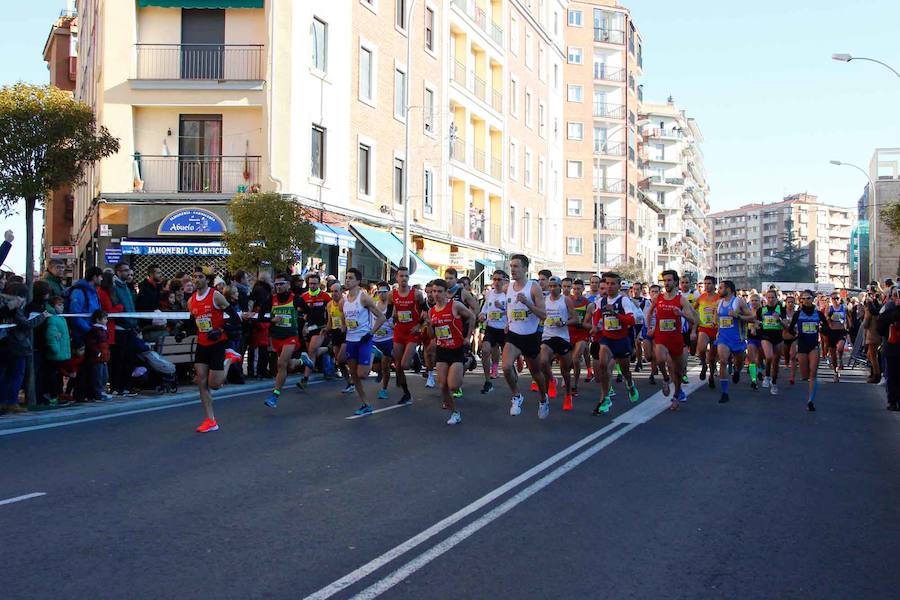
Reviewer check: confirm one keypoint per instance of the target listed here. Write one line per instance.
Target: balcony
(604, 73)
(496, 168)
(198, 174)
(609, 111)
(612, 226)
(458, 149)
(478, 16)
(459, 73)
(200, 62)
(479, 88)
(610, 186)
(478, 160)
(672, 135)
(610, 149)
(495, 234)
(609, 36)
(497, 100)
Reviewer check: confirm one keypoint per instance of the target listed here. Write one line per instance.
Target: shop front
(381, 252)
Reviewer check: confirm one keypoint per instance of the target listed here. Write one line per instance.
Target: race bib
(726, 322)
(553, 322)
(707, 316)
(442, 332)
(519, 315)
(809, 327)
(352, 324)
(381, 332)
(204, 324)
(286, 320)
(770, 321)
(837, 317)
(336, 322)
(404, 316)
(494, 315)
(667, 325)
(612, 324)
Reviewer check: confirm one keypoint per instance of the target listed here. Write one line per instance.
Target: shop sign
(192, 222)
(105, 230)
(342, 261)
(112, 255)
(460, 261)
(159, 248)
(62, 251)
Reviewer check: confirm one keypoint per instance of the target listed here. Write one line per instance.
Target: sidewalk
(91, 410)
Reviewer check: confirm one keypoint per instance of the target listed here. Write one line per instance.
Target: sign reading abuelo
(192, 222)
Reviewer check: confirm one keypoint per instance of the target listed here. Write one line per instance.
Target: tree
(268, 228)
(628, 272)
(890, 216)
(47, 138)
(793, 261)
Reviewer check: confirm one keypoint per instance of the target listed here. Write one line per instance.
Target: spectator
(873, 339)
(233, 329)
(83, 299)
(98, 354)
(107, 294)
(122, 361)
(261, 298)
(6, 246)
(40, 298)
(150, 291)
(57, 350)
(56, 268)
(15, 346)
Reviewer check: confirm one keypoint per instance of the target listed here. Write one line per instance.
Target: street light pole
(873, 231)
(847, 58)
(406, 161)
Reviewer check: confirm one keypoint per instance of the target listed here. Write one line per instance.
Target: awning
(174, 249)
(202, 3)
(333, 235)
(384, 243)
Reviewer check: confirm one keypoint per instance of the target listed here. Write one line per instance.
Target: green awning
(202, 3)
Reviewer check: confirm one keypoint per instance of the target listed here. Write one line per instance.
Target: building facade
(745, 240)
(883, 244)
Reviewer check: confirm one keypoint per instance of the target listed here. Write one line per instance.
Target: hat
(626, 285)
(555, 279)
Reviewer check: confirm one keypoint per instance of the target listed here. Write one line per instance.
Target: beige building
(744, 240)
(608, 222)
(881, 245)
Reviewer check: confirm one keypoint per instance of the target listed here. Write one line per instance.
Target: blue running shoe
(365, 409)
(682, 397)
(382, 394)
(307, 361)
(272, 401)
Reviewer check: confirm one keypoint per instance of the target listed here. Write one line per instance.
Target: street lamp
(873, 244)
(847, 58)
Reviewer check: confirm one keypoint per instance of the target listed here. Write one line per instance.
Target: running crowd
(604, 329)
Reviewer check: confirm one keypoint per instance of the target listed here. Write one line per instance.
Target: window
(513, 161)
(399, 191)
(400, 13)
(575, 18)
(399, 94)
(514, 97)
(575, 131)
(541, 120)
(526, 228)
(527, 167)
(514, 34)
(529, 49)
(574, 207)
(319, 33)
(428, 192)
(575, 56)
(365, 170)
(541, 175)
(428, 108)
(512, 222)
(528, 109)
(540, 226)
(317, 152)
(574, 245)
(575, 93)
(366, 74)
(542, 67)
(429, 28)
(573, 169)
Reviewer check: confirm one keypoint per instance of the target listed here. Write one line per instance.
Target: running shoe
(652, 380)
(712, 382)
(272, 401)
(619, 378)
(574, 390)
(208, 425)
(430, 383)
(735, 376)
(684, 379)
(405, 398)
(723, 399)
(703, 372)
(682, 397)
(837, 378)
(767, 382)
(589, 375)
(487, 388)
(515, 407)
(753, 385)
(301, 385)
(307, 361)
(349, 389)
(605, 405)
(544, 408)
(552, 390)
(382, 394)
(597, 412)
(612, 392)
(638, 367)
(534, 386)
(810, 406)
(455, 418)
(233, 355)
(457, 393)
(633, 394)
(774, 390)
(567, 402)
(363, 410)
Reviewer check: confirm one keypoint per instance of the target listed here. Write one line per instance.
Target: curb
(112, 407)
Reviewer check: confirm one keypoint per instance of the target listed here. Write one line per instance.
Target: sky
(757, 76)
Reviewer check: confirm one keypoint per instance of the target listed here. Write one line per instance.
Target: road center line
(21, 498)
(641, 413)
(378, 410)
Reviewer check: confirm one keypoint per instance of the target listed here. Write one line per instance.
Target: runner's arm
(374, 310)
(687, 310)
(467, 316)
(537, 302)
(792, 328)
(219, 301)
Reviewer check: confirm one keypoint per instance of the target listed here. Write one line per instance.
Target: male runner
(731, 343)
(790, 348)
(705, 305)
(754, 344)
(647, 335)
(207, 307)
(313, 305)
(807, 322)
(640, 302)
(594, 292)
(614, 315)
(409, 309)
(684, 287)
(428, 346)
(284, 333)
(671, 308)
(383, 338)
(555, 341)
(567, 283)
(544, 276)
(450, 333)
(361, 318)
(773, 320)
(579, 333)
(493, 315)
(524, 310)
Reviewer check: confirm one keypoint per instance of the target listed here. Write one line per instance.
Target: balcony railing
(660, 133)
(458, 149)
(610, 149)
(609, 111)
(459, 73)
(611, 186)
(496, 168)
(458, 224)
(497, 100)
(198, 174)
(495, 234)
(478, 160)
(601, 71)
(480, 17)
(479, 88)
(607, 223)
(609, 36)
(198, 62)
(497, 33)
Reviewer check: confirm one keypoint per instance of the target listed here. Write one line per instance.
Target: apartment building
(883, 247)
(675, 180)
(608, 221)
(744, 240)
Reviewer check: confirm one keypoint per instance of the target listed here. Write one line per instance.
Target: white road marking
(21, 498)
(643, 412)
(378, 410)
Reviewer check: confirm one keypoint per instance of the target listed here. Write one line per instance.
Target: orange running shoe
(534, 386)
(567, 403)
(589, 376)
(552, 391)
(208, 425)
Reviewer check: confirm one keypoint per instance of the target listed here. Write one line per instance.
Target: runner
(524, 310)
(754, 343)
(594, 288)
(836, 333)
(647, 330)
(579, 334)
(428, 346)
(567, 283)
(409, 308)
(771, 316)
(640, 302)
(706, 333)
(283, 333)
(555, 342)
(614, 315)
(338, 335)
(671, 308)
(731, 344)
(806, 324)
(544, 276)
(493, 315)
(383, 338)
(450, 333)
(684, 287)
(790, 348)
(211, 358)
(313, 306)
(359, 309)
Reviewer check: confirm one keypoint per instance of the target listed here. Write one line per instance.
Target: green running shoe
(457, 393)
(606, 405)
(633, 393)
(684, 379)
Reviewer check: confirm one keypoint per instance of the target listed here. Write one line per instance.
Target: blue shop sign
(174, 249)
(113, 255)
(193, 222)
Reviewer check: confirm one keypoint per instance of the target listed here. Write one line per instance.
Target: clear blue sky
(758, 77)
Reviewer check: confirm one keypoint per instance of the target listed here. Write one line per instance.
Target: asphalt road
(753, 499)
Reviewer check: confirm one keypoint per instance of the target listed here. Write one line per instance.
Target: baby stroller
(160, 372)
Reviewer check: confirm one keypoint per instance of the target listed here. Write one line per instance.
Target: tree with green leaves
(793, 261)
(268, 229)
(890, 216)
(629, 272)
(47, 138)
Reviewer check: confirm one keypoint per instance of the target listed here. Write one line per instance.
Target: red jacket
(96, 344)
(107, 305)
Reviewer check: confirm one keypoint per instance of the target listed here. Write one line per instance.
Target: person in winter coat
(40, 297)
(97, 355)
(57, 350)
(83, 299)
(124, 355)
(149, 298)
(15, 346)
(56, 268)
(889, 328)
(6, 246)
(107, 293)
